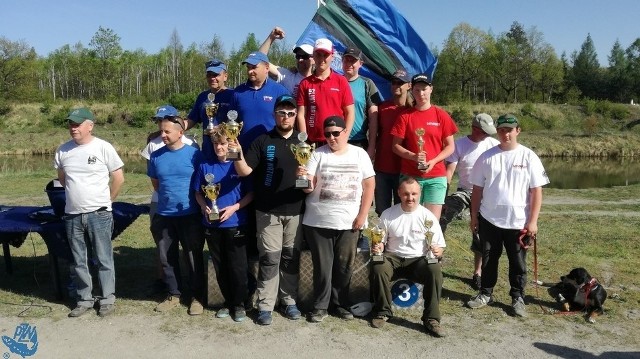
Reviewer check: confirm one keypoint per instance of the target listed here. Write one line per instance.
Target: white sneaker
(479, 301)
(519, 307)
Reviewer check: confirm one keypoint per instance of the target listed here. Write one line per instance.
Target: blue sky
(48, 25)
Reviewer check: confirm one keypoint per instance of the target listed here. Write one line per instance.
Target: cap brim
(215, 69)
(323, 50)
(509, 125)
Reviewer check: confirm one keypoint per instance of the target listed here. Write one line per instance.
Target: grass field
(595, 228)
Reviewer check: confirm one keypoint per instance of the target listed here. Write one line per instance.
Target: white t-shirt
(290, 80)
(405, 231)
(335, 201)
(465, 155)
(506, 177)
(157, 143)
(86, 174)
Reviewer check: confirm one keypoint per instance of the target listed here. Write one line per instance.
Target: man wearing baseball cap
(216, 75)
(505, 204)
(278, 206)
(325, 93)
(290, 79)
(366, 99)
(467, 151)
(423, 138)
(86, 164)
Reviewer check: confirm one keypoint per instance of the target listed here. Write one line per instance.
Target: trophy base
(214, 217)
(377, 258)
(233, 156)
(432, 260)
(303, 183)
(422, 166)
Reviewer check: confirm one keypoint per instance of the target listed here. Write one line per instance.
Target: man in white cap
(304, 62)
(467, 150)
(323, 94)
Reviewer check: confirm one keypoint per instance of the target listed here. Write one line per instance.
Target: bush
(619, 112)
(528, 109)
(183, 102)
(58, 118)
(603, 107)
(590, 125)
(45, 109)
(138, 118)
(5, 108)
(462, 115)
(589, 106)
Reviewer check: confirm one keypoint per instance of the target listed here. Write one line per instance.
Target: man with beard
(278, 207)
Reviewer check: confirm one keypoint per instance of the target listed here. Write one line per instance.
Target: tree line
(473, 66)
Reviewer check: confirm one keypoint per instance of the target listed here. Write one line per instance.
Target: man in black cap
(278, 206)
(341, 193)
(366, 99)
(304, 62)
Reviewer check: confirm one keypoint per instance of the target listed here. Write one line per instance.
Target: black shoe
(318, 315)
(344, 314)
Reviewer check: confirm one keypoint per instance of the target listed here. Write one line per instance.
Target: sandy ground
(483, 333)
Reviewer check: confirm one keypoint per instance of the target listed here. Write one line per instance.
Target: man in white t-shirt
(86, 164)
(467, 151)
(408, 227)
(505, 204)
(153, 145)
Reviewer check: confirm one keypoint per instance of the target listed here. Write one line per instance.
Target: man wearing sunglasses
(505, 203)
(278, 207)
(341, 193)
(177, 218)
(216, 75)
(304, 62)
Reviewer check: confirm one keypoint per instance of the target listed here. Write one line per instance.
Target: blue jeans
(94, 229)
(386, 192)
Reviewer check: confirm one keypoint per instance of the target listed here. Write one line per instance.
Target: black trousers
(228, 249)
(493, 239)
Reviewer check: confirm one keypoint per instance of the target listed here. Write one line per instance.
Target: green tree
(633, 57)
(617, 77)
(17, 66)
(586, 70)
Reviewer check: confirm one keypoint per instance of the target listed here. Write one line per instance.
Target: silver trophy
(211, 109)
(212, 191)
(428, 242)
(231, 129)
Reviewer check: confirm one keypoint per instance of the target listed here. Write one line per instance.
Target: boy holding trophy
(223, 197)
(413, 247)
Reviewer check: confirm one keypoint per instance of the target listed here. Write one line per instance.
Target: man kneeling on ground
(413, 246)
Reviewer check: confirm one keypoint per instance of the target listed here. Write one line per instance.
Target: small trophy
(420, 132)
(428, 241)
(231, 129)
(211, 109)
(212, 191)
(375, 234)
(302, 152)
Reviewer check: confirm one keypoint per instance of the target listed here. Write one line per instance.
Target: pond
(563, 172)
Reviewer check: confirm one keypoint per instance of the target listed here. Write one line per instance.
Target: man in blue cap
(216, 72)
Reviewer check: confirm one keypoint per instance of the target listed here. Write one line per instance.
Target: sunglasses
(303, 57)
(213, 63)
(332, 133)
(510, 120)
(177, 120)
(286, 113)
(397, 82)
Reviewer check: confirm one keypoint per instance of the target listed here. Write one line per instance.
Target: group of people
(399, 153)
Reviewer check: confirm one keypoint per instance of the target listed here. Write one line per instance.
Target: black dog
(579, 291)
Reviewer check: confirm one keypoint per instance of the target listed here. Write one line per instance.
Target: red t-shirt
(437, 125)
(386, 161)
(322, 99)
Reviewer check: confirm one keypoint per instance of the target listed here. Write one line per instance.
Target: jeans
(92, 229)
(386, 192)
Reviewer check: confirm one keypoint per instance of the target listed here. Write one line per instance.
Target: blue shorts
(434, 190)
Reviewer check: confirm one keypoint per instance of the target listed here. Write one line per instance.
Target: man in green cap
(85, 166)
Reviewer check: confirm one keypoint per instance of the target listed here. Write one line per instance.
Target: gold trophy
(428, 241)
(231, 129)
(420, 132)
(376, 235)
(211, 109)
(302, 152)
(212, 191)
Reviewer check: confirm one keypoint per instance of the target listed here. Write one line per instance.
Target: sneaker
(171, 302)
(78, 311)
(434, 328)
(222, 313)
(479, 301)
(196, 307)
(264, 317)
(519, 308)
(379, 321)
(239, 314)
(344, 313)
(292, 312)
(318, 315)
(106, 309)
(477, 281)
